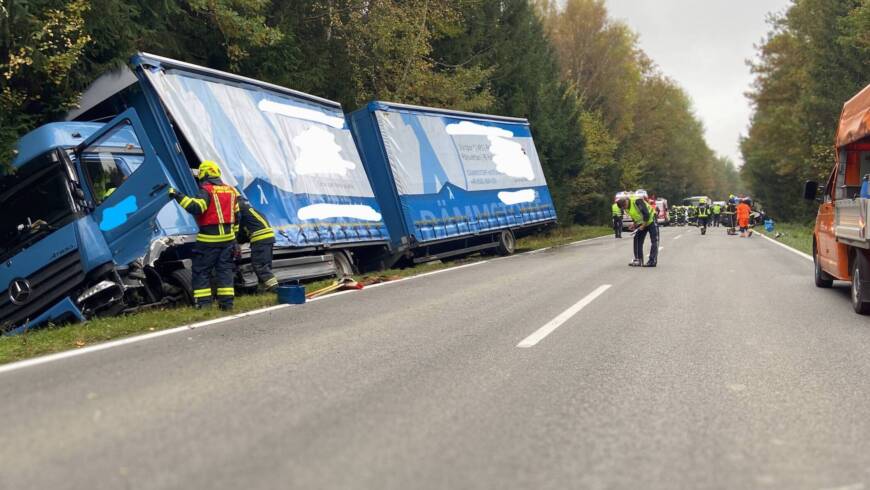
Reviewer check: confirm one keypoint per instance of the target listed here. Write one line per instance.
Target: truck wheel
(823, 280)
(183, 279)
(860, 294)
(343, 266)
(506, 243)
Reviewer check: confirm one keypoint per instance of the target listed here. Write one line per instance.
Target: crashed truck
(451, 183)
(88, 227)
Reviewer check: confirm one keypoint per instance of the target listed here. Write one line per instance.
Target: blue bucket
(291, 295)
(768, 225)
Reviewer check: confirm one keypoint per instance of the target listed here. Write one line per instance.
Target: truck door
(127, 182)
(826, 243)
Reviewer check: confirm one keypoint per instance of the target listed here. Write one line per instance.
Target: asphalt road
(722, 368)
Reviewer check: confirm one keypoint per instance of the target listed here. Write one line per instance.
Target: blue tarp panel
(293, 157)
(447, 174)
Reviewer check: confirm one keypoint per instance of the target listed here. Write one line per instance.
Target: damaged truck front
(82, 226)
(88, 227)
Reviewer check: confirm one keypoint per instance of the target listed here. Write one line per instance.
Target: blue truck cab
(81, 230)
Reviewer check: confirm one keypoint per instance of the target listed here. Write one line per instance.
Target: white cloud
(703, 45)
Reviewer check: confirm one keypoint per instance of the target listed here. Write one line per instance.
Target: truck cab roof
(51, 136)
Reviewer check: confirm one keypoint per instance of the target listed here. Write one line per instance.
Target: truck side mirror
(811, 189)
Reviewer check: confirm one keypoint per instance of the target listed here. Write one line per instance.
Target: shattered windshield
(35, 200)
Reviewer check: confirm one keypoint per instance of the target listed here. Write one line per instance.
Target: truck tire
(860, 293)
(823, 280)
(343, 265)
(183, 278)
(507, 243)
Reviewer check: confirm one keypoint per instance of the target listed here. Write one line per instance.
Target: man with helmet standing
(644, 223)
(216, 209)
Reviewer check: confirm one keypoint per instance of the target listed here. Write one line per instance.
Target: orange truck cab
(841, 242)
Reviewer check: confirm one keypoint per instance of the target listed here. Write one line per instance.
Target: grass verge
(65, 337)
(796, 235)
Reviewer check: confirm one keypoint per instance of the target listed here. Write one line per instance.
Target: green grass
(561, 236)
(796, 235)
(65, 337)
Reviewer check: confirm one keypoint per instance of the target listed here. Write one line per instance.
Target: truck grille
(49, 285)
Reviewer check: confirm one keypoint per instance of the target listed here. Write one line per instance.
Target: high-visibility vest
(617, 211)
(717, 209)
(636, 214)
(703, 211)
(221, 206)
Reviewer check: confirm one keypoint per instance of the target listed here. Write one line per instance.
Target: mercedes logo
(20, 291)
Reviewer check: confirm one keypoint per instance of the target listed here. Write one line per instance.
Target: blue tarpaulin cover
(453, 173)
(293, 158)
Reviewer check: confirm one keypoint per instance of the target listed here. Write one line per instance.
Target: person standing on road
(644, 223)
(256, 229)
(216, 209)
(703, 212)
(743, 212)
(717, 214)
(616, 213)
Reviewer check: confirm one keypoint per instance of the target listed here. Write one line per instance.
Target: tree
(41, 44)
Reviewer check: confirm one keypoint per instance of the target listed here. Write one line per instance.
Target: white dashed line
(541, 333)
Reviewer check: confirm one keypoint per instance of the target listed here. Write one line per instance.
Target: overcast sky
(703, 45)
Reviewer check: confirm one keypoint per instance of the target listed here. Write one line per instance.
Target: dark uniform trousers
(617, 226)
(640, 237)
(261, 261)
(217, 258)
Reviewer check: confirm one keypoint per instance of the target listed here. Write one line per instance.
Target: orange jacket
(743, 212)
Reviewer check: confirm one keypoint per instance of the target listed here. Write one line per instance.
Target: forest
(814, 59)
(604, 116)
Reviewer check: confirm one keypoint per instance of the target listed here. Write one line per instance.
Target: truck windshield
(35, 201)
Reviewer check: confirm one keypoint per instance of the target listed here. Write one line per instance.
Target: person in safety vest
(616, 212)
(743, 213)
(644, 223)
(255, 229)
(216, 208)
(717, 214)
(703, 214)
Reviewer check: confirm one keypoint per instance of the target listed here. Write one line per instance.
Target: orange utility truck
(841, 242)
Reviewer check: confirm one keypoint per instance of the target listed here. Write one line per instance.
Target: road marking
(130, 340)
(14, 366)
(790, 249)
(541, 333)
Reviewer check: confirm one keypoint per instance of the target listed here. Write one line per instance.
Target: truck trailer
(451, 183)
(841, 243)
(90, 227)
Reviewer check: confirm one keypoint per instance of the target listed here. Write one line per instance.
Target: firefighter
(216, 208)
(644, 223)
(616, 211)
(255, 229)
(717, 214)
(703, 213)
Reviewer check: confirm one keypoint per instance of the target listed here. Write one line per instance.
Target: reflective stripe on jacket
(254, 225)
